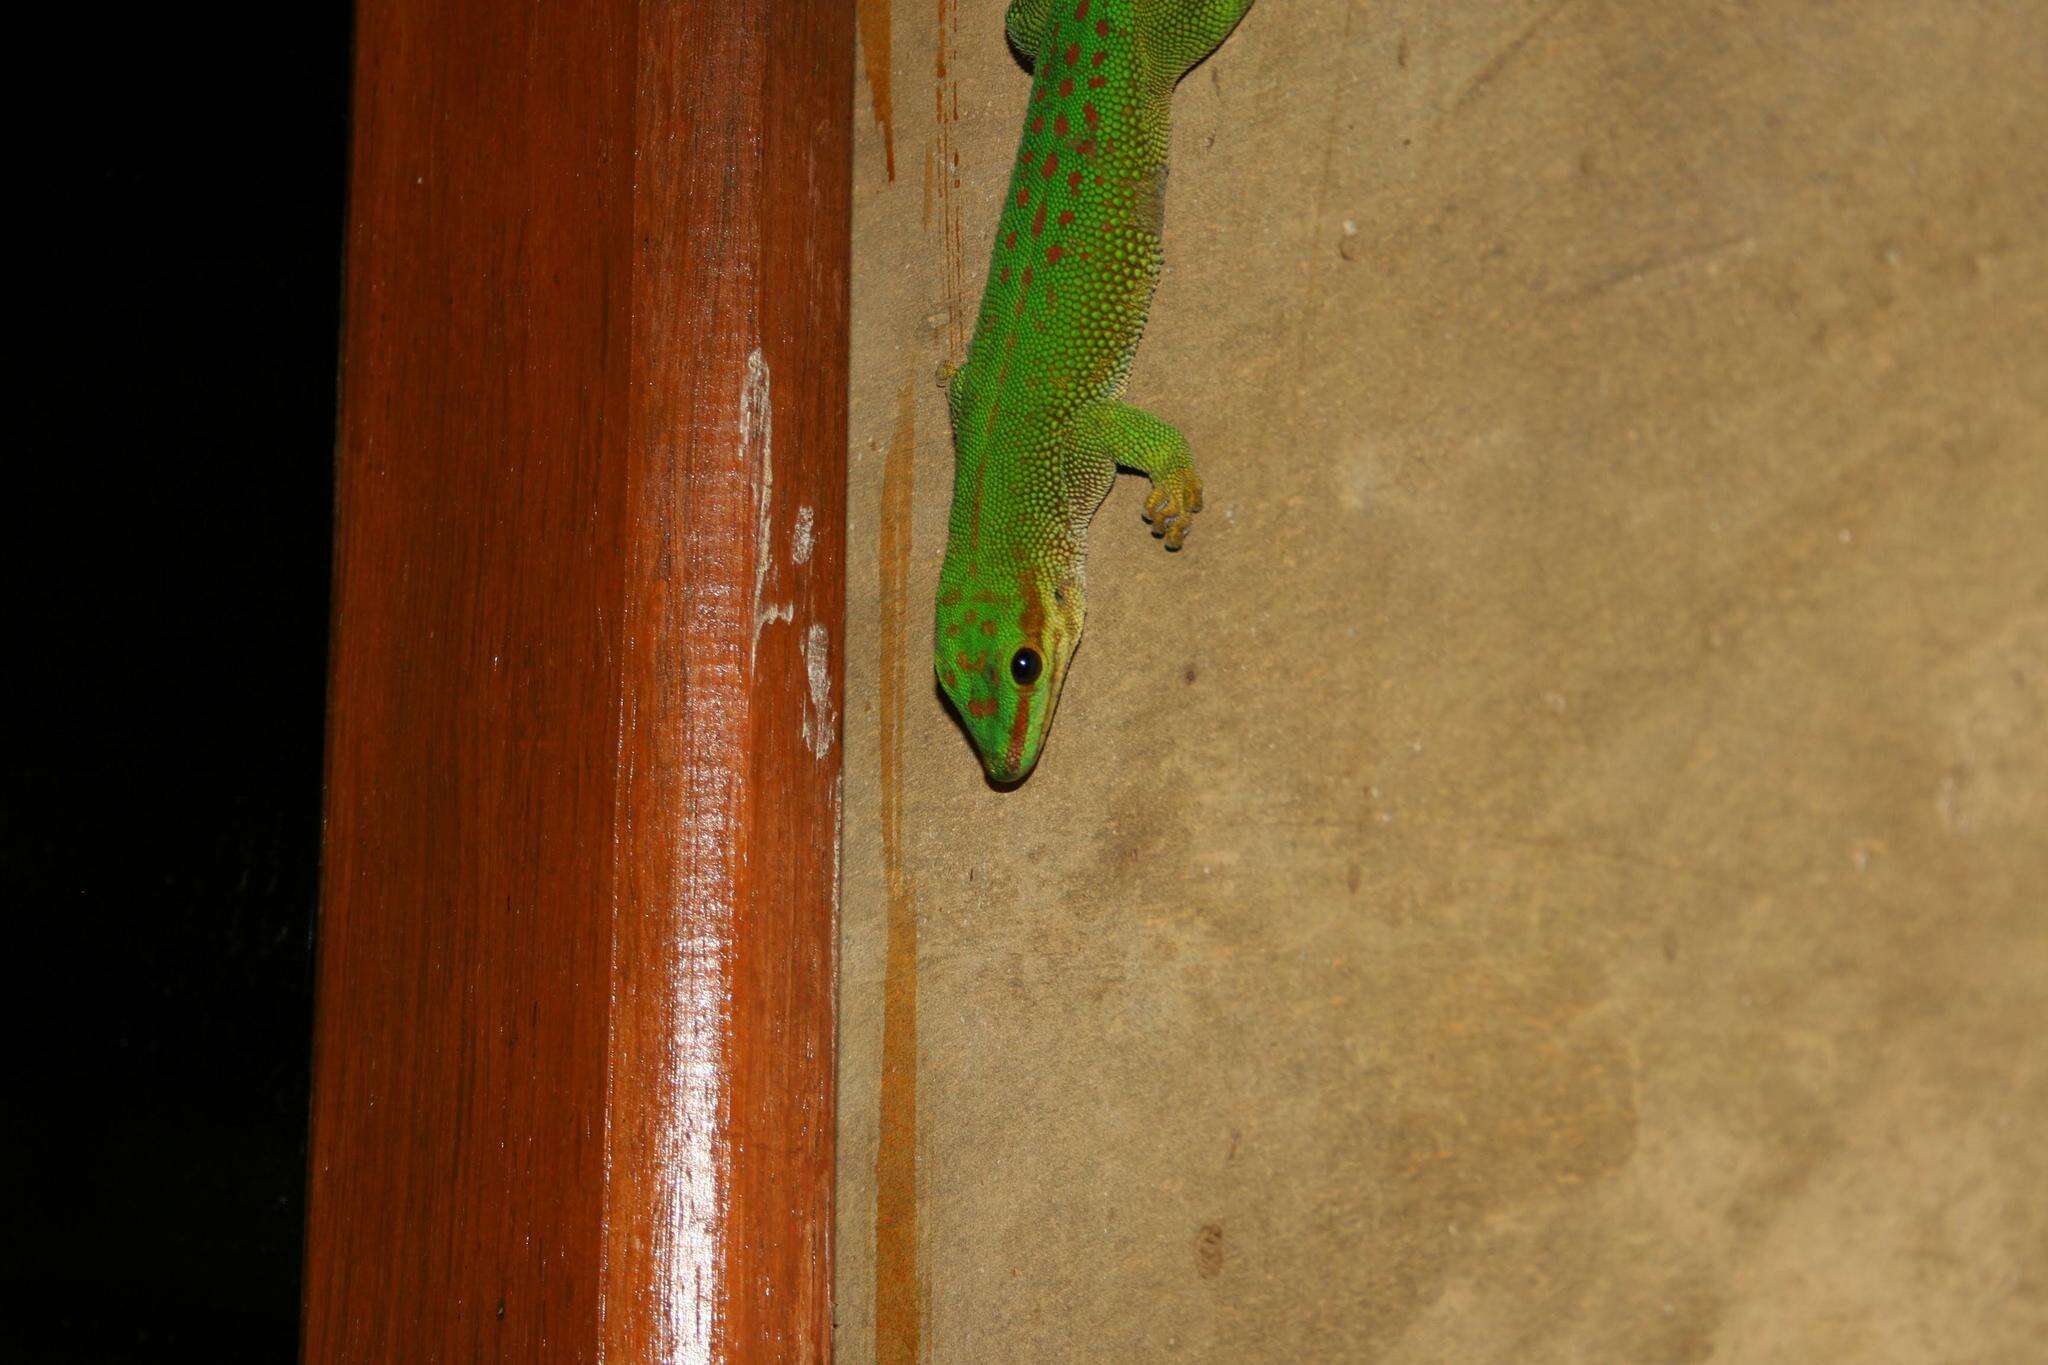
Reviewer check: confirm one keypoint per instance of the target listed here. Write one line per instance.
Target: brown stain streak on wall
(942, 170)
(898, 1301)
(874, 46)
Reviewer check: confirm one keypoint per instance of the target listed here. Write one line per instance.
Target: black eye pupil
(1025, 666)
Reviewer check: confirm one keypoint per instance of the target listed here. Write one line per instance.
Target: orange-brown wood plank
(574, 1057)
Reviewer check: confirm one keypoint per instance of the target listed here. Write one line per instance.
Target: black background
(160, 807)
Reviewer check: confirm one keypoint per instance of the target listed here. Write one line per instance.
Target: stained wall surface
(1558, 868)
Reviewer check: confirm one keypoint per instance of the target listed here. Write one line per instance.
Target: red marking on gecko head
(982, 709)
(1033, 623)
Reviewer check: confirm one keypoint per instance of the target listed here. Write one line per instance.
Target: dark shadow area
(160, 800)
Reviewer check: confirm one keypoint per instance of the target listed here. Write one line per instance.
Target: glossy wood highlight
(574, 1060)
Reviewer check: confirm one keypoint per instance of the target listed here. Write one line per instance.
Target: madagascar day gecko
(1039, 427)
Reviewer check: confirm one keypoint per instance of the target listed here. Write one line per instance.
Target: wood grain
(574, 1057)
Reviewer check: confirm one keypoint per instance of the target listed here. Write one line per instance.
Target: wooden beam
(574, 1054)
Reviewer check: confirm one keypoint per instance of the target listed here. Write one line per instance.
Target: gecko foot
(1172, 504)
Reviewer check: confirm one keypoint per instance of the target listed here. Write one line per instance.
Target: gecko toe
(1171, 506)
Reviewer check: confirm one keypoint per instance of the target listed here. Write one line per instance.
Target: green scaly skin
(1038, 426)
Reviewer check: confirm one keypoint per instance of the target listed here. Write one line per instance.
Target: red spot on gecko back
(1026, 157)
(1052, 254)
(1067, 86)
(1038, 123)
(1100, 56)
(1074, 181)
(1086, 146)
(1011, 240)
(1094, 83)
(1023, 196)
(1060, 125)
(1038, 222)
(1066, 217)
(1052, 165)
(1088, 114)
(1073, 53)
(1102, 28)
(1081, 14)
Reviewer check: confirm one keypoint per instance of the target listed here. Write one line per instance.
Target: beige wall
(1556, 870)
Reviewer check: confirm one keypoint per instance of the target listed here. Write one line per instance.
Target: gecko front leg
(1134, 439)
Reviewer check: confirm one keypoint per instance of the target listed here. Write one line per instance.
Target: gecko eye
(1025, 666)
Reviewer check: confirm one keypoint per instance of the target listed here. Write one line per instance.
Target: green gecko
(1039, 427)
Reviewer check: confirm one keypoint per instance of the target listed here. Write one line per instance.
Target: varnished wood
(574, 1058)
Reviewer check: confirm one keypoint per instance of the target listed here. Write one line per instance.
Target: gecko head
(1001, 648)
